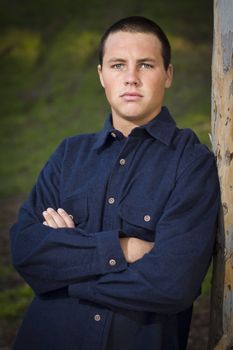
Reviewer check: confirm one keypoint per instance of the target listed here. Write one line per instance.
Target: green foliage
(14, 301)
(207, 282)
(5, 271)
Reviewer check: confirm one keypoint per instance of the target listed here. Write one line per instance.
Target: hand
(134, 248)
(57, 219)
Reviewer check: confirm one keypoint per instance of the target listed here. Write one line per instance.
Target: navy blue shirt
(159, 184)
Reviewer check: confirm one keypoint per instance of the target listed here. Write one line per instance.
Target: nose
(131, 77)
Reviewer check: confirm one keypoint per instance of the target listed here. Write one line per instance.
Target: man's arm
(49, 258)
(133, 248)
(169, 277)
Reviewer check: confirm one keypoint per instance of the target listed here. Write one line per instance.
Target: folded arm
(133, 248)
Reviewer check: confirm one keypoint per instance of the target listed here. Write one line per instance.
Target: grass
(49, 87)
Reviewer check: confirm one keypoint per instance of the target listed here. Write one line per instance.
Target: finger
(45, 223)
(58, 219)
(66, 217)
(49, 219)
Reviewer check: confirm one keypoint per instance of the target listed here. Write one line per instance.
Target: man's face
(133, 76)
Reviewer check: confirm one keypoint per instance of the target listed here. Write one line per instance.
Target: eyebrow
(146, 59)
(112, 60)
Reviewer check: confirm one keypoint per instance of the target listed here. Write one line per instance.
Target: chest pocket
(77, 206)
(138, 218)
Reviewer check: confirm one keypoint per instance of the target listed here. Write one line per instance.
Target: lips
(131, 96)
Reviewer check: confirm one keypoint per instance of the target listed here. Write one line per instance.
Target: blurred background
(49, 89)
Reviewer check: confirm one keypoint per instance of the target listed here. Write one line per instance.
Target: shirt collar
(108, 129)
(162, 128)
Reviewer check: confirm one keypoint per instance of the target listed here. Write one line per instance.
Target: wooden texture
(221, 325)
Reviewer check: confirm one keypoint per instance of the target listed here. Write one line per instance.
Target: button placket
(96, 327)
(116, 183)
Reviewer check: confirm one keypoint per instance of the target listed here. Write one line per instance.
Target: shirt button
(122, 161)
(112, 262)
(97, 317)
(147, 218)
(111, 200)
(113, 134)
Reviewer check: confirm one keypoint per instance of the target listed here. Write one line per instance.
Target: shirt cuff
(109, 253)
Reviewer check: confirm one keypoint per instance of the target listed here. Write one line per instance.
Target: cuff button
(112, 262)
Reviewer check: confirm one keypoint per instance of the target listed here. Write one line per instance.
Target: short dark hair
(138, 24)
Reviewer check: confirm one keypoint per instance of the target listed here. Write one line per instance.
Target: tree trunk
(221, 323)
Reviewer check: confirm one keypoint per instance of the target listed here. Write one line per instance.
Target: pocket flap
(138, 212)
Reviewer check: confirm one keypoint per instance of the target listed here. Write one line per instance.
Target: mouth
(131, 96)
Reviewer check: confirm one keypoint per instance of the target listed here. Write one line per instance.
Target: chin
(132, 117)
(129, 115)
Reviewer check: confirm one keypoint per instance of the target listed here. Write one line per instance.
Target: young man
(118, 232)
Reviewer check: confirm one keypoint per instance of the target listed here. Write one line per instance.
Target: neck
(124, 126)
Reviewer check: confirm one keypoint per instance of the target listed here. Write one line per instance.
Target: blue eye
(118, 66)
(146, 65)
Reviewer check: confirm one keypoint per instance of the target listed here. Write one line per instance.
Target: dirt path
(10, 279)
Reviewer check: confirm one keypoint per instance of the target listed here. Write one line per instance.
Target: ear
(169, 77)
(99, 68)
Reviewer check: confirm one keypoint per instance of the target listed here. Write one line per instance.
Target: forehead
(127, 43)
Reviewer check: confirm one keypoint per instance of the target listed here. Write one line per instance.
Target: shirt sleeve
(168, 279)
(49, 259)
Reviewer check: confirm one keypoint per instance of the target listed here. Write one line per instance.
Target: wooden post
(221, 323)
